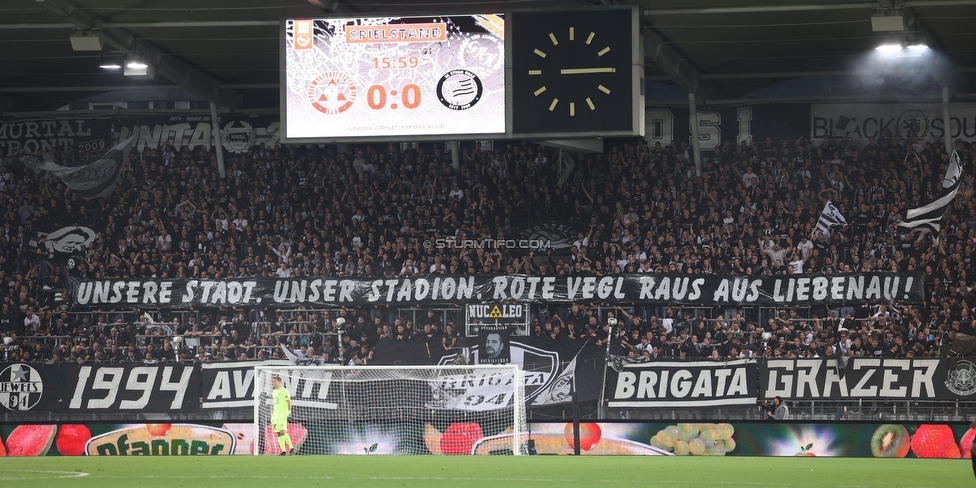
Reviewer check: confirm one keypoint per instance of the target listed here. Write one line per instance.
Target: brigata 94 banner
(393, 77)
(721, 290)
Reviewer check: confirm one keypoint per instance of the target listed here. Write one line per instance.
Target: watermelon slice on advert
(31, 440)
(297, 432)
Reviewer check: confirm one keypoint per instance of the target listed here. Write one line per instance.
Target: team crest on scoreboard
(303, 34)
(21, 387)
(459, 89)
(332, 92)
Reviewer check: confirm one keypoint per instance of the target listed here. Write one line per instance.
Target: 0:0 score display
(409, 97)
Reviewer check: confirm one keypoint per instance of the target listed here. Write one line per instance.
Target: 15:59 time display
(401, 62)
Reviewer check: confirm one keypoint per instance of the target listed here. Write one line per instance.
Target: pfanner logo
(21, 387)
(162, 440)
(962, 380)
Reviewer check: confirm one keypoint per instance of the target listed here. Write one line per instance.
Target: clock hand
(585, 71)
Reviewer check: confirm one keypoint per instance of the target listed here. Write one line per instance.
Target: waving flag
(93, 180)
(830, 217)
(927, 219)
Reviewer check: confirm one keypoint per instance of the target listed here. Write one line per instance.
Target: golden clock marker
(590, 38)
(572, 109)
(604, 89)
(552, 37)
(535, 71)
(590, 103)
(552, 106)
(572, 33)
(540, 53)
(603, 51)
(539, 91)
(584, 71)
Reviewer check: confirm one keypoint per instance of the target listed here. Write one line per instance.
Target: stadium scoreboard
(519, 74)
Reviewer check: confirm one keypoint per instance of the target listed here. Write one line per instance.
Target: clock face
(572, 72)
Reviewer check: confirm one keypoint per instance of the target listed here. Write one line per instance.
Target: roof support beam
(679, 68)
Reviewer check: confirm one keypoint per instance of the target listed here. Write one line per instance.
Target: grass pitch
(495, 471)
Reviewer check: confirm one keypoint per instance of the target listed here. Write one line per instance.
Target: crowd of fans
(367, 211)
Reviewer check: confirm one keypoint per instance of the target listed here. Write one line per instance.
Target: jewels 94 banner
(99, 387)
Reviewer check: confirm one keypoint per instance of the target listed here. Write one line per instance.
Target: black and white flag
(559, 390)
(927, 218)
(830, 217)
(94, 180)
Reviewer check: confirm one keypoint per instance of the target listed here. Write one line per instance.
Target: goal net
(411, 410)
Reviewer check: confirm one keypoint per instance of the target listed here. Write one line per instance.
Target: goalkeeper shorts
(279, 424)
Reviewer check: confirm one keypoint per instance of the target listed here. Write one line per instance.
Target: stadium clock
(573, 72)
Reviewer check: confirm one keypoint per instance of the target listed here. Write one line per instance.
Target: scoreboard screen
(393, 77)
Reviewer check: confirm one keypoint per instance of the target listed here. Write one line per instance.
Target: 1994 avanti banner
(625, 288)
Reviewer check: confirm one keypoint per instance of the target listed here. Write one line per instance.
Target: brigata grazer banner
(858, 288)
(670, 384)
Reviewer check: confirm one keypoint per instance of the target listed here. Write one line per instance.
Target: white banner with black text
(717, 290)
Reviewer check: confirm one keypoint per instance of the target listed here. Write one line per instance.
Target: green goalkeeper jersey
(281, 398)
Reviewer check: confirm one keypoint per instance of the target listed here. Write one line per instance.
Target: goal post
(414, 410)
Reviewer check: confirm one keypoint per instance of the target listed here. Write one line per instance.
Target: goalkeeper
(280, 414)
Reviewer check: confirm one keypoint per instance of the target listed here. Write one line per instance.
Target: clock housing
(576, 73)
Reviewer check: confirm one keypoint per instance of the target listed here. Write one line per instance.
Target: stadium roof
(227, 51)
